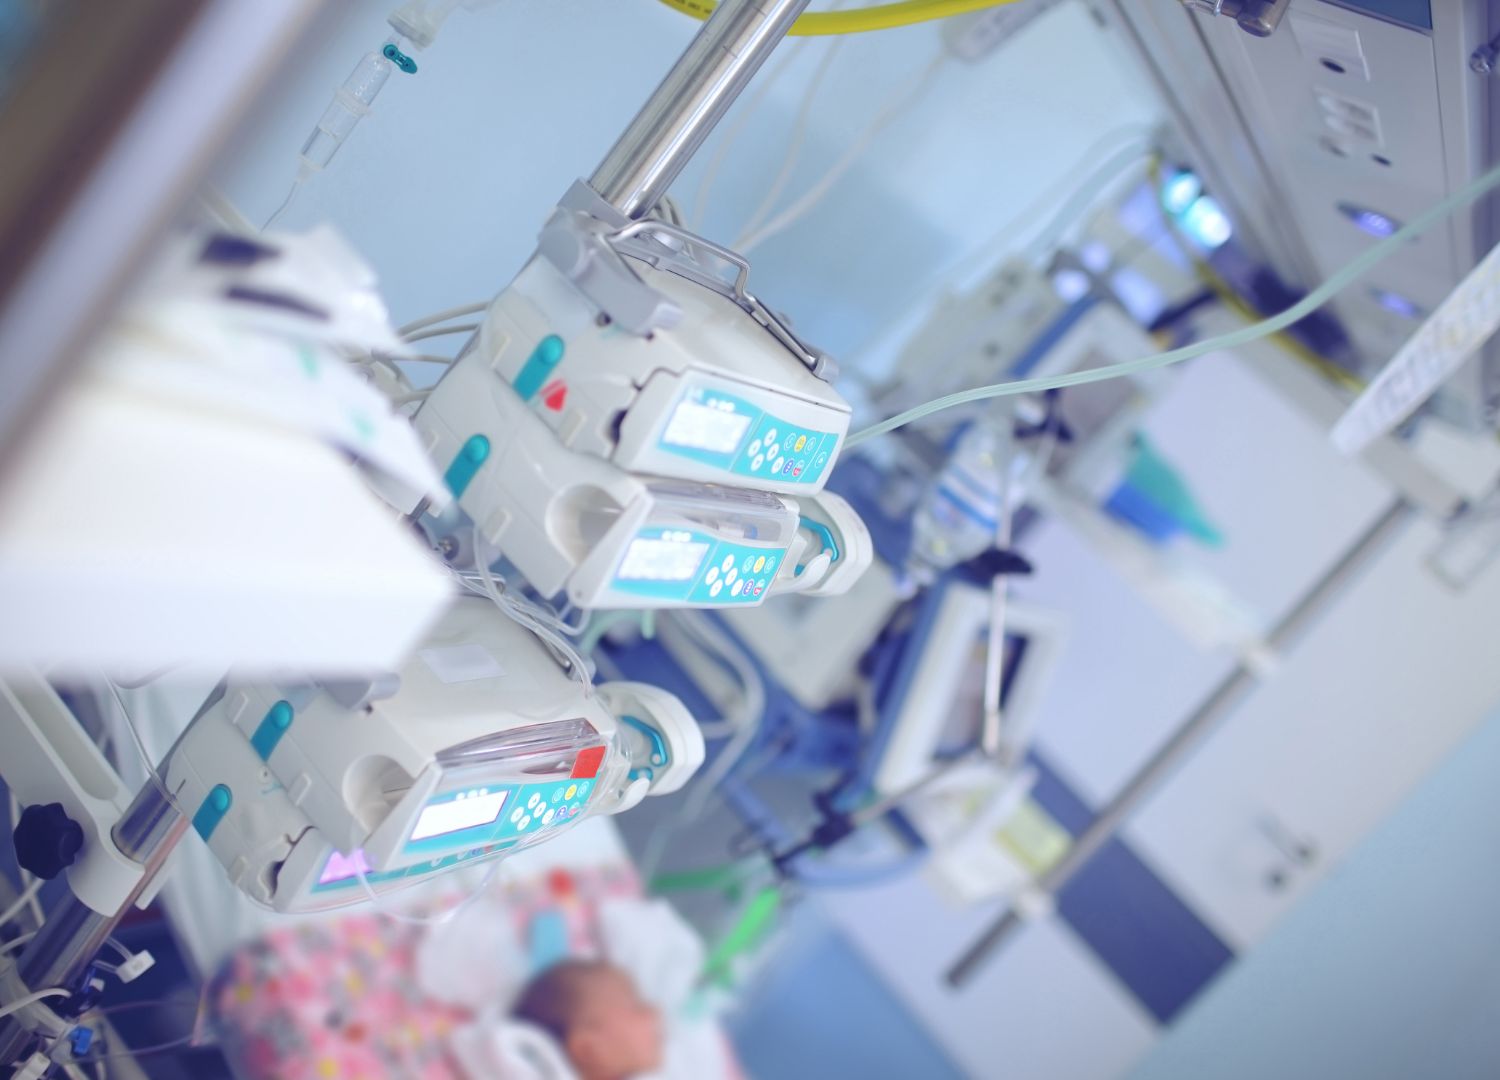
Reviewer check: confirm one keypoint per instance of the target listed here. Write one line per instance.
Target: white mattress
(211, 918)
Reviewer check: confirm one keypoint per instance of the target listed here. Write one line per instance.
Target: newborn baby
(597, 1017)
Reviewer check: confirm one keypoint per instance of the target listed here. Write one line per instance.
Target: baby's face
(618, 1034)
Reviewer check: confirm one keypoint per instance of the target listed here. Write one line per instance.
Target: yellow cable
(862, 20)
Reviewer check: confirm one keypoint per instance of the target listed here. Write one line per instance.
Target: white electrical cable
(440, 331)
(32, 999)
(16, 942)
(735, 130)
(751, 711)
(442, 316)
(33, 905)
(1140, 140)
(27, 895)
(790, 53)
(958, 273)
(1101, 179)
(1336, 284)
(752, 707)
(526, 615)
(795, 141)
(906, 97)
(668, 210)
(140, 744)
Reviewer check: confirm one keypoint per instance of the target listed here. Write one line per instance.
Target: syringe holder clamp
(136, 966)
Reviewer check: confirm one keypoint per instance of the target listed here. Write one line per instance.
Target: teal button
(272, 727)
(538, 367)
(214, 807)
(475, 453)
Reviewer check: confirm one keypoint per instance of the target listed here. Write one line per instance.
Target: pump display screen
(343, 867)
(704, 427)
(467, 811)
(662, 560)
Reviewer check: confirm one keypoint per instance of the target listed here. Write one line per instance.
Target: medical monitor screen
(468, 811)
(662, 560)
(701, 427)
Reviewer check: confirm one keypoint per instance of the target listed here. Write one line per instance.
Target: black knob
(47, 840)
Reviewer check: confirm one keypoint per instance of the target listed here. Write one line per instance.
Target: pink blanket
(339, 999)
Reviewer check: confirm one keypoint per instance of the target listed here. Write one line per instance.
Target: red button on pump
(555, 395)
(586, 766)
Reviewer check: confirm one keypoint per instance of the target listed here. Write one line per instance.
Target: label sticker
(461, 663)
(1461, 324)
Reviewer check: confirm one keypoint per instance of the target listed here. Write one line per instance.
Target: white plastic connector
(33, 1068)
(1032, 903)
(138, 964)
(420, 20)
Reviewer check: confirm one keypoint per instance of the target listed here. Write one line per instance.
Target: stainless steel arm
(694, 96)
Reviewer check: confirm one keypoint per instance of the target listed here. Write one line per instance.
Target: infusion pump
(314, 794)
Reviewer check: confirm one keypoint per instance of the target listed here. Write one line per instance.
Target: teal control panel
(493, 814)
(693, 567)
(720, 429)
(477, 821)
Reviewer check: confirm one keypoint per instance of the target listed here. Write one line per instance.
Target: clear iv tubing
(1336, 284)
(752, 711)
(531, 621)
(446, 915)
(351, 103)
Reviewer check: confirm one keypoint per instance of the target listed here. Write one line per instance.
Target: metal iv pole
(65, 947)
(695, 95)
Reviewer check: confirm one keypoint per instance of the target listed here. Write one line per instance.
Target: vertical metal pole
(1193, 731)
(694, 96)
(991, 734)
(74, 933)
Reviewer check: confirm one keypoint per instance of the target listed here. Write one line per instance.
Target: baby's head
(593, 1011)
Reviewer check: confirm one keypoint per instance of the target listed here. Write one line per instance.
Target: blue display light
(1206, 222)
(1179, 190)
(1371, 221)
(1397, 304)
